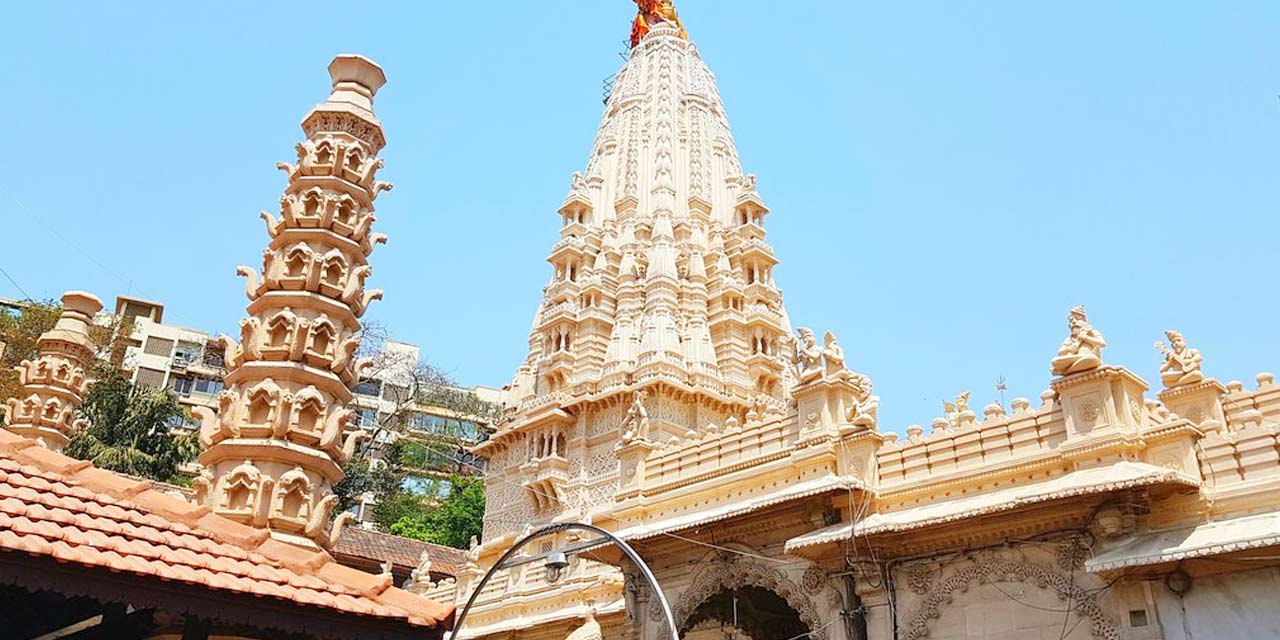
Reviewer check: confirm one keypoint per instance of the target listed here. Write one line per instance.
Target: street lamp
(556, 561)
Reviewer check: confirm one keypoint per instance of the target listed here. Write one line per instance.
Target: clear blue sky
(947, 179)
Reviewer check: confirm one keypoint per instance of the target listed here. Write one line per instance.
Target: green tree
(451, 522)
(129, 428)
(391, 461)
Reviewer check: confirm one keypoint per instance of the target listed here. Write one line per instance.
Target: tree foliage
(19, 331)
(451, 522)
(388, 466)
(129, 430)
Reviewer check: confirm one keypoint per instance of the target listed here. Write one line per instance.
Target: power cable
(16, 285)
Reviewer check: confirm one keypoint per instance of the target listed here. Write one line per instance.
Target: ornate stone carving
(812, 580)
(1181, 366)
(54, 383)
(920, 577)
(420, 578)
(291, 417)
(833, 356)
(1072, 553)
(1089, 411)
(862, 411)
(1082, 350)
(738, 574)
(635, 424)
(985, 570)
(807, 356)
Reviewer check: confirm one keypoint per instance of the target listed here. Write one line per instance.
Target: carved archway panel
(942, 594)
(735, 575)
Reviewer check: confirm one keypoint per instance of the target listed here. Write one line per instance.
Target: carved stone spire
(276, 445)
(661, 282)
(53, 385)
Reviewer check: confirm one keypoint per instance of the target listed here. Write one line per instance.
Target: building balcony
(568, 248)
(567, 310)
(760, 314)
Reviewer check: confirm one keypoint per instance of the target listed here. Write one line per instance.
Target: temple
(666, 397)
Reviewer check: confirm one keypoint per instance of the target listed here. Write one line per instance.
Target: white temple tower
(275, 447)
(662, 283)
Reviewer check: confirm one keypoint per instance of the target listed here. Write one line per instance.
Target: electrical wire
(78, 249)
(17, 286)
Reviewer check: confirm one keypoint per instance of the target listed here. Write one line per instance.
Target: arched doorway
(718, 577)
(746, 613)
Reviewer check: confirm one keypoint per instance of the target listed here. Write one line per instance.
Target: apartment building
(435, 424)
(188, 362)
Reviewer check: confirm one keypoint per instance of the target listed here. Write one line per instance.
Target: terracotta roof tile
(52, 505)
(374, 548)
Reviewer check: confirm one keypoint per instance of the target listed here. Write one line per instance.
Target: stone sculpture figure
(578, 184)
(1181, 364)
(833, 356)
(953, 410)
(635, 425)
(807, 356)
(1082, 350)
(862, 413)
(420, 577)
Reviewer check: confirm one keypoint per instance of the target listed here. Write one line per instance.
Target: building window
(1138, 618)
(469, 430)
(208, 386)
(368, 417)
(153, 378)
(396, 394)
(183, 423)
(369, 388)
(181, 386)
(186, 353)
(158, 347)
(427, 423)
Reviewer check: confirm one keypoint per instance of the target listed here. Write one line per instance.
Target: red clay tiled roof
(59, 507)
(376, 548)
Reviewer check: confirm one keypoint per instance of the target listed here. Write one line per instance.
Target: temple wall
(1234, 605)
(1244, 449)
(964, 444)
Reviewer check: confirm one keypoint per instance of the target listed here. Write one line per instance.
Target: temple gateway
(667, 398)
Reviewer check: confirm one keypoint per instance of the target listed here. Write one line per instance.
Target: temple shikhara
(666, 397)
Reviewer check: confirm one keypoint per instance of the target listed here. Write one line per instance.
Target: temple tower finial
(54, 384)
(652, 13)
(276, 446)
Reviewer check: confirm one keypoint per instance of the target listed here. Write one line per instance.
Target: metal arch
(567, 526)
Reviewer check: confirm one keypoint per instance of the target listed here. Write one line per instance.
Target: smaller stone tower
(54, 384)
(282, 430)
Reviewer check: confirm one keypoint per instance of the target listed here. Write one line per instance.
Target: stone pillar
(53, 385)
(823, 406)
(1201, 403)
(275, 447)
(632, 458)
(1101, 407)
